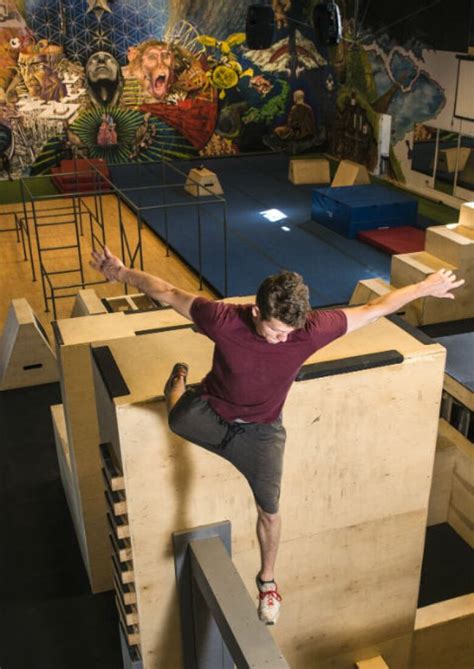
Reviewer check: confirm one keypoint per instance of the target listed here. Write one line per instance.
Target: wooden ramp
(26, 357)
(349, 173)
(358, 465)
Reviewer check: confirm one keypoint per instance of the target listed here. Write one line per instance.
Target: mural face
(167, 90)
(103, 79)
(155, 64)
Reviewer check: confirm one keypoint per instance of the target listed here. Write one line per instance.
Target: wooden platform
(79, 460)
(446, 247)
(359, 459)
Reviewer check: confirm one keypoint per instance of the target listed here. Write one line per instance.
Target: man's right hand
(107, 264)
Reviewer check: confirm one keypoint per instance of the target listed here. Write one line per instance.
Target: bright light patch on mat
(273, 215)
(283, 227)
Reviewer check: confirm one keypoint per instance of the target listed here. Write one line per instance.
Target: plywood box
(87, 303)
(83, 484)
(309, 171)
(367, 290)
(444, 637)
(442, 482)
(358, 467)
(349, 173)
(466, 214)
(202, 182)
(451, 159)
(26, 357)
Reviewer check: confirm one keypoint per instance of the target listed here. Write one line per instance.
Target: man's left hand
(440, 284)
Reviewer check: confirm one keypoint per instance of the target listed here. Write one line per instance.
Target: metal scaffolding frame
(162, 187)
(64, 209)
(71, 209)
(22, 234)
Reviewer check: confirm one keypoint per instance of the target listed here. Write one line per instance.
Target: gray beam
(248, 640)
(202, 643)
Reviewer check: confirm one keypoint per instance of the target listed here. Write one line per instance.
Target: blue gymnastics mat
(330, 264)
(351, 209)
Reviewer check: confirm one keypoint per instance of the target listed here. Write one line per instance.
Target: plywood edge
(444, 612)
(460, 392)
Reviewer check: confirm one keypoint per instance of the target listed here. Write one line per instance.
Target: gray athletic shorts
(255, 449)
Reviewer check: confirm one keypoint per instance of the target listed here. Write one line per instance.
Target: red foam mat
(404, 239)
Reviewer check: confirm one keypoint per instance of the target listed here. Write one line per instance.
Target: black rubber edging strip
(57, 333)
(107, 305)
(355, 363)
(448, 328)
(422, 337)
(110, 373)
(41, 328)
(157, 307)
(139, 333)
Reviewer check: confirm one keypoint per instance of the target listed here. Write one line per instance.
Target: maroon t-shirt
(250, 378)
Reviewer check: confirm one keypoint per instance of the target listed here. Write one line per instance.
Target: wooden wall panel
(358, 469)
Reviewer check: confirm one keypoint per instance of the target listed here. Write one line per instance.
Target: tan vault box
(79, 460)
(357, 475)
(202, 181)
(309, 171)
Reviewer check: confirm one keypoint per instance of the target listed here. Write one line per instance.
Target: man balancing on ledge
(236, 410)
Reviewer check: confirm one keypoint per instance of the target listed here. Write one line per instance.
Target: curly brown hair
(284, 296)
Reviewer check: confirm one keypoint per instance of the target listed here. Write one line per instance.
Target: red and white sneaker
(268, 601)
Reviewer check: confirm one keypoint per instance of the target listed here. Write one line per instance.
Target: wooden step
(111, 470)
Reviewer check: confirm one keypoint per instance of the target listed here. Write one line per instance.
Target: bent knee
(267, 517)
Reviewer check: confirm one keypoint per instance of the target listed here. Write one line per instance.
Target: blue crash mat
(350, 209)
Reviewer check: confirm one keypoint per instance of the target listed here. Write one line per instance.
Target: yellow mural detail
(225, 70)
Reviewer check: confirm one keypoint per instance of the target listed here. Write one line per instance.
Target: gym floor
(50, 619)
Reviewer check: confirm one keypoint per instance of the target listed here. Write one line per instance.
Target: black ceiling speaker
(260, 26)
(327, 24)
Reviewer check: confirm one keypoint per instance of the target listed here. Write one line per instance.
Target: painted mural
(144, 79)
(141, 79)
(378, 75)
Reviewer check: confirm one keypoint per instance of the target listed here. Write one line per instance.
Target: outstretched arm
(114, 270)
(440, 284)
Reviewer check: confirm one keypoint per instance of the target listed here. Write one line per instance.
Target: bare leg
(268, 534)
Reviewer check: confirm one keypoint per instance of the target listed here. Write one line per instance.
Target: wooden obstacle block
(466, 214)
(66, 470)
(373, 663)
(443, 636)
(369, 289)
(349, 173)
(443, 469)
(26, 357)
(467, 174)
(448, 158)
(87, 303)
(461, 503)
(309, 171)
(341, 500)
(202, 182)
(455, 245)
(81, 466)
(410, 268)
